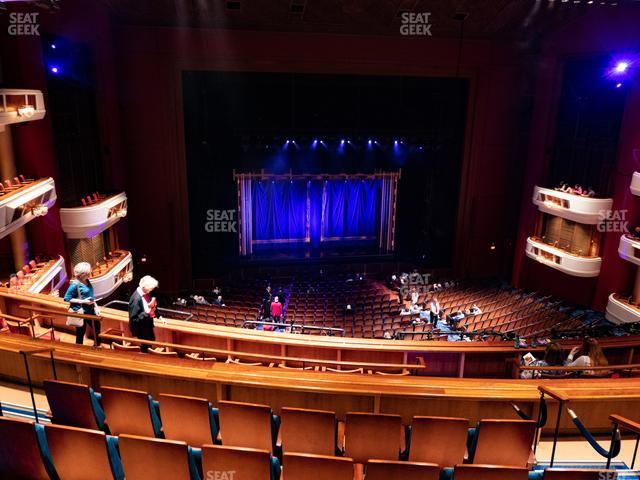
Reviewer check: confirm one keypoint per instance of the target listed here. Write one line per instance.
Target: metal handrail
(25, 355)
(188, 316)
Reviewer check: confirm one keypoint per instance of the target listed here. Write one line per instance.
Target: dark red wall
(613, 31)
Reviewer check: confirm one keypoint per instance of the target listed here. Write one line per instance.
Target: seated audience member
(276, 309)
(218, 301)
(475, 310)
(636, 232)
(405, 311)
(216, 291)
(415, 309)
(348, 311)
(424, 313)
(200, 300)
(553, 357)
(589, 355)
(457, 316)
(389, 334)
(142, 311)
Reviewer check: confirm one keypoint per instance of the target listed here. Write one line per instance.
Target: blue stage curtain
(350, 209)
(279, 211)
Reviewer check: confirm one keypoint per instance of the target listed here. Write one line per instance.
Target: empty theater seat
(489, 472)
(306, 466)
(391, 470)
(579, 474)
(23, 453)
(504, 442)
(247, 425)
(247, 463)
(74, 405)
(369, 435)
(438, 440)
(130, 411)
(81, 454)
(146, 458)
(308, 431)
(188, 419)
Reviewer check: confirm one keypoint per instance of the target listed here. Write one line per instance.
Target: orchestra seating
(377, 445)
(376, 308)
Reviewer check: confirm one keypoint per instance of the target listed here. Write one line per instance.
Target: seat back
(246, 425)
(438, 440)
(308, 431)
(391, 469)
(127, 411)
(247, 463)
(370, 435)
(20, 455)
(144, 458)
(489, 472)
(579, 474)
(504, 442)
(78, 453)
(186, 419)
(71, 404)
(306, 466)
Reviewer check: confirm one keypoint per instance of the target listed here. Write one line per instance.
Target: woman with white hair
(80, 296)
(142, 310)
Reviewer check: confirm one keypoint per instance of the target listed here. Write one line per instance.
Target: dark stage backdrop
(240, 121)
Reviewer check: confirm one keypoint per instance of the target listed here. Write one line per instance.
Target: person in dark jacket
(142, 310)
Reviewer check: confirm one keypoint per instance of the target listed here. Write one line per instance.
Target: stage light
(369, 142)
(53, 46)
(314, 144)
(55, 69)
(618, 85)
(342, 142)
(621, 67)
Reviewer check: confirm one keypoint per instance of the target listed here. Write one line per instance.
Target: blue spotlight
(54, 69)
(53, 46)
(621, 67)
(323, 144)
(369, 142)
(342, 142)
(314, 144)
(619, 84)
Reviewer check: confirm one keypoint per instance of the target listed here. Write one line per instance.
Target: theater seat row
(30, 451)
(442, 441)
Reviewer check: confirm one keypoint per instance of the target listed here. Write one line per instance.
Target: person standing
(142, 311)
(80, 296)
(266, 301)
(434, 309)
(276, 309)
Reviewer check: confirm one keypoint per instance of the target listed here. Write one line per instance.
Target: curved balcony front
(18, 105)
(619, 311)
(586, 210)
(635, 184)
(19, 204)
(562, 260)
(90, 220)
(108, 277)
(629, 249)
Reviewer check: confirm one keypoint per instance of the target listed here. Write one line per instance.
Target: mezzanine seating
(163, 458)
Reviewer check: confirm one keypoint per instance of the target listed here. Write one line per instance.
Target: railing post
(53, 365)
(538, 429)
(635, 452)
(33, 398)
(614, 432)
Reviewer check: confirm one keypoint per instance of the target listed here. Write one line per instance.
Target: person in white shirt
(415, 296)
(434, 308)
(591, 355)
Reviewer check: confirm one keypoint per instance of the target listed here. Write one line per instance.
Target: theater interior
(312, 239)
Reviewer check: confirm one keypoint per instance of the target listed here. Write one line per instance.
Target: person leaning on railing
(590, 355)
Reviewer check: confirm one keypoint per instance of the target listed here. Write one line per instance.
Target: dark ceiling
(523, 19)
